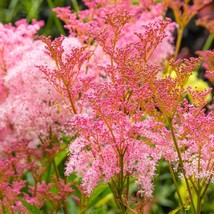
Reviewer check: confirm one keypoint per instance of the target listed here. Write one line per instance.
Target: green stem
(75, 5)
(176, 186)
(208, 43)
(35, 187)
(121, 175)
(3, 209)
(206, 187)
(193, 184)
(117, 186)
(127, 187)
(199, 186)
(65, 209)
(114, 193)
(178, 42)
(48, 174)
(181, 163)
(206, 46)
(56, 170)
(84, 204)
(56, 20)
(121, 183)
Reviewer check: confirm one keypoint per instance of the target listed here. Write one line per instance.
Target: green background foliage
(13, 10)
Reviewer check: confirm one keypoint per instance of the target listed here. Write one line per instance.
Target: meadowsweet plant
(92, 115)
(32, 124)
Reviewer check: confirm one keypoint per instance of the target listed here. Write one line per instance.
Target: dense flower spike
(67, 76)
(29, 121)
(129, 72)
(96, 152)
(108, 24)
(105, 149)
(195, 137)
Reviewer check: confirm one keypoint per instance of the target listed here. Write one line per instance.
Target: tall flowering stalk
(107, 138)
(115, 140)
(188, 144)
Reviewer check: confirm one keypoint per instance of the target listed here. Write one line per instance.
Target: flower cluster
(116, 91)
(135, 110)
(32, 122)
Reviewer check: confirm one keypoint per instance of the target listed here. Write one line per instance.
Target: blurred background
(13, 10)
(194, 36)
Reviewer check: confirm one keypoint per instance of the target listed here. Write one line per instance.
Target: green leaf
(32, 208)
(166, 202)
(56, 20)
(47, 175)
(100, 192)
(135, 2)
(98, 211)
(61, 157)
(34, 10)
(72, 206)
(175, 210)
(30, 178)
(75, 5)
(104, 200)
